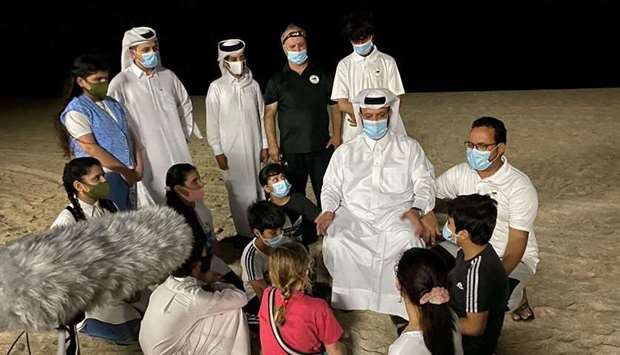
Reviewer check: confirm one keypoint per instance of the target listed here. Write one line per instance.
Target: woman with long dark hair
(422, 279)
(93, 124)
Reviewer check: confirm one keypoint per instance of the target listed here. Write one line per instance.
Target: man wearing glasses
(488, 172)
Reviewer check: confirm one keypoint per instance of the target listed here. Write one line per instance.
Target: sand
(565, 140)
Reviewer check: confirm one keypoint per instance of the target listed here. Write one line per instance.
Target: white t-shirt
(254, 266)
(517, 202)
(183, 318)
(77, 124)
(412, 343)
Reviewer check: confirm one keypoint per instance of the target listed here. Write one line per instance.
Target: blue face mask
(275, 241)
(376, 129)
(150, 60)
(446, 233)
(281, 188)
(297, 57)
(478, 160)
(364, 48)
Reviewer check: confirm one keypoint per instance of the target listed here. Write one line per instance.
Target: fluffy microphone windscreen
(47, 278)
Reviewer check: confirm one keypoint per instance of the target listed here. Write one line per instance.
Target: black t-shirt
(300, 215)
(478, 285)
(303, 119)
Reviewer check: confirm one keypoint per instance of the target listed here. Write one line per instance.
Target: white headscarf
(231, 47)
(375, 99)
(134, 37)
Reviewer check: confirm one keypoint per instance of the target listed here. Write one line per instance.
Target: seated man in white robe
(376, 190)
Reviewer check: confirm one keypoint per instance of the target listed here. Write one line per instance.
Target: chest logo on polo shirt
(314, 79)
(459, 285)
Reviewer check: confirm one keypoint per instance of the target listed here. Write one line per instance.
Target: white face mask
(236, 67)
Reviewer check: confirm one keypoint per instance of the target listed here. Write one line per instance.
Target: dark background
(439, 47)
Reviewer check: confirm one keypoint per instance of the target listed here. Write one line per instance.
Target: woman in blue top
(94, 124)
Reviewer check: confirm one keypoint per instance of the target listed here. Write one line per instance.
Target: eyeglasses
(479, 146)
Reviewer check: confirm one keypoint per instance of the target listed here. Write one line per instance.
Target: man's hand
(414, 216)
(323, 221)
(432, 231)
(274, 153)
(264, 155)
(351, 120)
(222, 161)
(334, 141)
(210, 277)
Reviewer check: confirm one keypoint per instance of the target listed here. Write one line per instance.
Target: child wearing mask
(422, 279)
(86, 187)
(266, 222)
(184, 192)
(300, 212)
(292, 322)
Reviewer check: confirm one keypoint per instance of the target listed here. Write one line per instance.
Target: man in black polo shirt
(300, 95)
(478, 283)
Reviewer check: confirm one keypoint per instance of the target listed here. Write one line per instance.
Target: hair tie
(438, 295)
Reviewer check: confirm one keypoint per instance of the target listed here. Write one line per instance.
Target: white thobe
(182, 318)
(159, 110)
(355, 73)
(235, 128)
(370, 185)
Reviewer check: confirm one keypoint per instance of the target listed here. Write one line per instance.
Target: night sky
(440, 47)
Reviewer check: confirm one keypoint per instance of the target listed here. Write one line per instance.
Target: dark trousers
(120, 192)
(301, 165)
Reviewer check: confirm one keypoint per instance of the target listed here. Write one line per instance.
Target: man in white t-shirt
(193, 313)
(488, 172)
(365, 68)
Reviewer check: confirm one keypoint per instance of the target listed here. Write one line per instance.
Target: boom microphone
(48, 278)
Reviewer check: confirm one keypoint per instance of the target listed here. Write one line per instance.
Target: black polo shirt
(302, 100)
(479, 285)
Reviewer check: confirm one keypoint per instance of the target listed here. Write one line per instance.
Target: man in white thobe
(366, 67)
(235, 130)
(158, 108)
(376, 190)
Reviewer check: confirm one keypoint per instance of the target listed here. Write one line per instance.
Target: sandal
(518, 314)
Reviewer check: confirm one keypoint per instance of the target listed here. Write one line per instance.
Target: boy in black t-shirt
(478, 282)
(299, 210)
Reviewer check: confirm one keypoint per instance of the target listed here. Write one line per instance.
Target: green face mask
(99, 191)
(99, 90)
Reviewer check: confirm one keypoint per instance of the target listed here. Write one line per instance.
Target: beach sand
(566, 141)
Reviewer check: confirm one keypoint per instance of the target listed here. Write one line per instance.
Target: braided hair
(289, 268)
(74, 171)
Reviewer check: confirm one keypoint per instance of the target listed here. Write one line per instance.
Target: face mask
(281, 188)
(99, 191)
(194, 195)
(446, 233)
(275, 241)
(364, 48)
(150, 60)
(376, 129)
(297, 57)
(99, 90)
(236, 67)
(478, 160)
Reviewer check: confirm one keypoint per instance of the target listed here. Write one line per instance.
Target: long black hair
(74, 171)
(419, 271)
(83, 66)
(176, 176)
